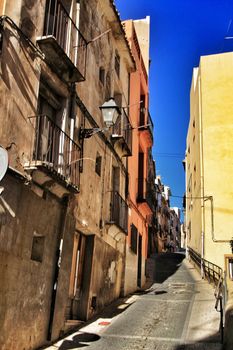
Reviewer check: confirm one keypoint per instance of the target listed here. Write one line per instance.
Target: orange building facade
(140, 164)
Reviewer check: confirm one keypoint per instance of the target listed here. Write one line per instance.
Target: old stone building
(38, 73)
(162, 215)
(175, 229)
(63, 208)
(101, 209)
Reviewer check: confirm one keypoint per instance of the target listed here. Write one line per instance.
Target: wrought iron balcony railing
(146, 193)
(122, 132)
(61, 40)
(146, 122)
(119, 211)
(56, 151)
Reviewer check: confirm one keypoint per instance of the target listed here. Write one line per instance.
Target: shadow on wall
(166, 265)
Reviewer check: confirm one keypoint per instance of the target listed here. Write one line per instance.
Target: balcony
(122, 135)
(62, 43)
(119, 212)
(146, 193)
(146, 124)
(53, 163)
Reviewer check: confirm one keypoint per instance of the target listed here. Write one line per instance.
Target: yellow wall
(211, 101)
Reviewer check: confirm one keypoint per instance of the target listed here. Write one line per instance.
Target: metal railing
(123, 128)
(56, 150)
(60, 25)
(119, 211)
(214, 274)
(146, 122)
(145, 192)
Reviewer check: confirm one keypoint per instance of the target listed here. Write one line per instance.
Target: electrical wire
(204, 197)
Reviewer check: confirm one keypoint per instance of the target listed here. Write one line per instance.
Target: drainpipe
(215, 240)
(57, 267)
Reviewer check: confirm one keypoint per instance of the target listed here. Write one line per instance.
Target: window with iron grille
(98, 162)
(134, 239)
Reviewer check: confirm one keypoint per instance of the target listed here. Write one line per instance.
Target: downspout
(201, 178)
(71, 112)
(215, 240)
(57, 267)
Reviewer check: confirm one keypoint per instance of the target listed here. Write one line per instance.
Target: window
(37, 247)
(47, 141)
(102, 75)
(142, 120)
(118, 99)
(98, 162)
(117, 63)
(134, 239)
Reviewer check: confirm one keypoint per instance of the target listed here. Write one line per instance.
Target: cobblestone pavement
(176, 313)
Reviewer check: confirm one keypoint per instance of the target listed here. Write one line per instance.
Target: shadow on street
(178, 288)
(79, 341)
(166, 265)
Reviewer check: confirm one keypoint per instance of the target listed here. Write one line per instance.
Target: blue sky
(181, 32)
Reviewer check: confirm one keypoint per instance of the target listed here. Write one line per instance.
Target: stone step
(71, 324)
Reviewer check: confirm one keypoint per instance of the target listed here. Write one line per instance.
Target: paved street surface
(175, 313)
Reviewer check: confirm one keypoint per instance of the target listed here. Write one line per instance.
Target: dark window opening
(102, 75)
(98, 162)
(142, 120)
(134, 239)
(37, 247)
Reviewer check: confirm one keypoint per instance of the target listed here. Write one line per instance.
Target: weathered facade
(162, 215)
(101, 209)
(175, 229)
(209, 166)
(140, 165)
(63, 209)
(37, 225)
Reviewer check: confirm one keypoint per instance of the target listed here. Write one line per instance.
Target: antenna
(3, 162)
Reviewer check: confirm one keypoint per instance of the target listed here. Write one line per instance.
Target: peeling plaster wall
(106, 275)
(19, 83)
(93, 206)
(26, 284)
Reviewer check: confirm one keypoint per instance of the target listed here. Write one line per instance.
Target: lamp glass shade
(110, 112)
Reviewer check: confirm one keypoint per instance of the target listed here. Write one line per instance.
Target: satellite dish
(3, 162)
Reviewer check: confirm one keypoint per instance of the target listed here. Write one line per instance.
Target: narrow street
(175, 313)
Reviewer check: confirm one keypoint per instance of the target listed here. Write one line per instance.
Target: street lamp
(110, 113)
